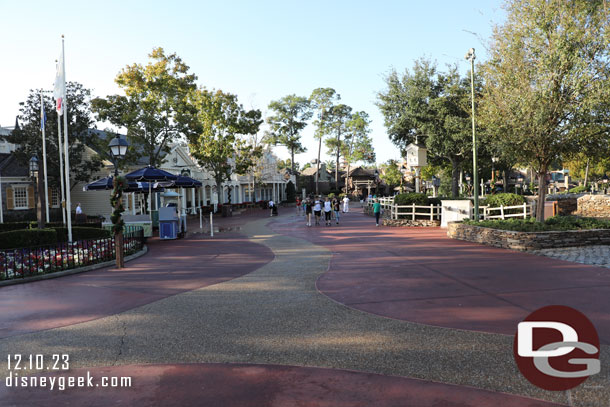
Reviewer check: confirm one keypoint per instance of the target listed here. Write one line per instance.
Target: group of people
(315, 206)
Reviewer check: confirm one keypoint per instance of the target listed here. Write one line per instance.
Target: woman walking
(307, 210)
(377, 211)
(317, 210)
(336, 209)
(327, 211)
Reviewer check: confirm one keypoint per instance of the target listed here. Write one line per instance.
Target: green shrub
(556, 223)
(291, 192)
(579, 189)
(7, 227)
(81, 233)
(331, 195)
(27, 238)
(411, 198)
(502, 199)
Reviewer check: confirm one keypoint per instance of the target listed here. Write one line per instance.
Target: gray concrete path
(275, 315)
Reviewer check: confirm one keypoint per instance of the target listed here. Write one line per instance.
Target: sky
(259, 50)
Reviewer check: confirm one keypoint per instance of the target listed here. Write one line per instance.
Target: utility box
(455, 211)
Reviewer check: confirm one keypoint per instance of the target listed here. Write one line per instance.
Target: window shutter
(50, 195)
(10, 199)
(31, 200)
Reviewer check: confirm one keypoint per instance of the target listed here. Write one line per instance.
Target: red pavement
(169, 268)
(240, 385)
(420, 275)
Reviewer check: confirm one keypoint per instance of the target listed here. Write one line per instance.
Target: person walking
(317, 210)
(345, 204)
(298, 206)
(307, 210)
(336, 209)
(327, 211)
(271, 204)
(377, 211)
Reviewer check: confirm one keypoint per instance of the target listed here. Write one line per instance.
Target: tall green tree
(358, 145)
(547, 90)
(220, 147)
(157, 108)
(28, 136)
(289, 118)
(430, 107)
(390, 174)
(322, 100)
(337, 125)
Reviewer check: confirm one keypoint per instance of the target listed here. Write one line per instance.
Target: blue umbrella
(106, 183)
(182, 182)
(150, 173)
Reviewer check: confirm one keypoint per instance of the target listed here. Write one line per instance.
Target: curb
(72, 271)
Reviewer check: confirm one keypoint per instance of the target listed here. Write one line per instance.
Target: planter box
(526, 241)
(455, 210)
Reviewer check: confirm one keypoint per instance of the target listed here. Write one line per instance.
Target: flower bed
(26, 262)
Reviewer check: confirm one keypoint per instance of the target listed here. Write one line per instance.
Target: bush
(503, 199)
(579, 189)
(331, 195)
(7, 227)
(556, 223)
(81, 233)
(291, 192)
(27, 238)
(411, 198)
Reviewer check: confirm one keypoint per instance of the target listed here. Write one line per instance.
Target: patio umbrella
(150, 173)
(105, 184)
(182, 182)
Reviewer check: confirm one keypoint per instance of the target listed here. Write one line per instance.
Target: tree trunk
(505, 181)
(455, 174)
(541, 195)
(337, 160)
(318, 166)
(296, 179)
(587, 173)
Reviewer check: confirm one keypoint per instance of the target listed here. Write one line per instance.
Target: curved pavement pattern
(169, 268)
(276, 316)
(239, 385)
(420, 275)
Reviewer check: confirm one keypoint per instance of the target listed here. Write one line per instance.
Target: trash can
(227, 210)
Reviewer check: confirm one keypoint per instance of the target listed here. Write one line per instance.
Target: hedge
(27, 238)
(7, 227)
(579, 189)
(81, 233)
(555, 223)
(503, 199)
(411, 198)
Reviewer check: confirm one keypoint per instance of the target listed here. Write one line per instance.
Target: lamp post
(605, 181)
(520, 182)
(34, 172)
(470, 56)
(118, 149)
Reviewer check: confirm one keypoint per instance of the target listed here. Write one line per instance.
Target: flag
(59, 92)
(43, 115)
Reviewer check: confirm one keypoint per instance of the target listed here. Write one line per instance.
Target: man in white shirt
(327, 211)
(345, 204)
(271, 204)
(317, 210)
(78, 210)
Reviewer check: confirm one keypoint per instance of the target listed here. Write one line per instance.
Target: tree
(430, 107)
(322, 100)
(391, 175)
(28, 135)
(291, 114)
(358, 146)
(547, 82)
(291, 192)
(158, 107)
(337, 125)
(219, 147)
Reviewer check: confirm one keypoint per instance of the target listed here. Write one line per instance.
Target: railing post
(502, 212)
(431, 212)
(413, 211)
(524, 210)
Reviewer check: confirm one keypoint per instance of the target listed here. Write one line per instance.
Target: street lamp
(470, 56)
(118, 149)
(605, 181)
(34, 168)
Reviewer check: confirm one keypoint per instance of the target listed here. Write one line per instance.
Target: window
(54, 198)
(20, 195)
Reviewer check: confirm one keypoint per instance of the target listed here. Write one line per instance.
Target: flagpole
(66, 155)
(61, 164)
(43, 120)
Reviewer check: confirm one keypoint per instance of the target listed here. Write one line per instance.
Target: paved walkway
(276, 316)
(419, 275)
(594, 255)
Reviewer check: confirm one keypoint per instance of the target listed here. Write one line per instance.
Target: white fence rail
(487, 212)
(414, 211)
